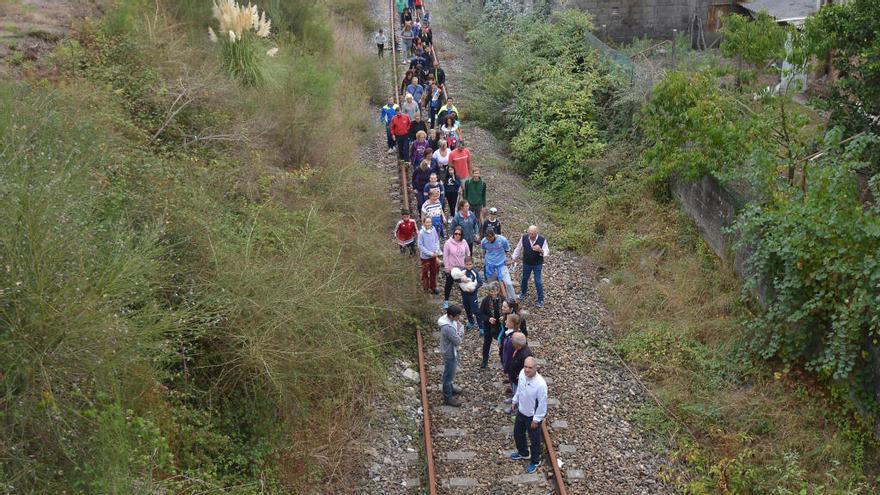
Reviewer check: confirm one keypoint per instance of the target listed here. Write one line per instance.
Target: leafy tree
(757, 42)
(817, 255)
(850, 34)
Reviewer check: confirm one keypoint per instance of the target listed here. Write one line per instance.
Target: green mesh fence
(611, 54)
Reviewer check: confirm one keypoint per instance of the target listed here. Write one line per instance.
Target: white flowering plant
(242, 34)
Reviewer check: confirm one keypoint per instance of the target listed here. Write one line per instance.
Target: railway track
(494, 441)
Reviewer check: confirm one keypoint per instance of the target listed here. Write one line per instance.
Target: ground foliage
(815, 242)
(740, 424)
(187, 303)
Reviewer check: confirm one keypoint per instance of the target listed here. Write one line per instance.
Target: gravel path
(591, 394)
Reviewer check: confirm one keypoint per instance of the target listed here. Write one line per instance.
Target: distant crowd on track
(451, 196)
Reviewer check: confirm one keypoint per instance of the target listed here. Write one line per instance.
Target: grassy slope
(191, 316)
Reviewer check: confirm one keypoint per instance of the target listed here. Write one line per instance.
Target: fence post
(674, 42)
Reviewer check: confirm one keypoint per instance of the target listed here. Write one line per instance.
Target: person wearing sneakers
(530, 404)
(400, 132)
(387, 114)
(495, 249)
(451, 333)
(534, 249)
(490, 310)
(429, 254)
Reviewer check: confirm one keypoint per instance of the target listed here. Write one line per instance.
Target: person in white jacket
(530, 404)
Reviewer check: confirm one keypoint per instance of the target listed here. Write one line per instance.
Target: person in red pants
(429, 254)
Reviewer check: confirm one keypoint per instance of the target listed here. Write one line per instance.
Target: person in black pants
(491, 311)
(530, 403)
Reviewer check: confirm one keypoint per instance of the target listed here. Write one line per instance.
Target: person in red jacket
(400, 130)
(405, 233)
(460, 159)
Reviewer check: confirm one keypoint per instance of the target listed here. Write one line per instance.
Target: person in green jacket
(474, 191)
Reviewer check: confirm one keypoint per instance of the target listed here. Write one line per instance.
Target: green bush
(541, 90)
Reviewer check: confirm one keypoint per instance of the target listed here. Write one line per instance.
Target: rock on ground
(594, 396)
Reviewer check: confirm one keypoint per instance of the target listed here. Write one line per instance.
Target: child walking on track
(405, 231)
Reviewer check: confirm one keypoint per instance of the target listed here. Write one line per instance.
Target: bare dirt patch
(29, 28)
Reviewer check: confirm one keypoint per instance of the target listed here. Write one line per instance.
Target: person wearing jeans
(530, 403)
(495, 249)
(533, 248)
(451, 333)
(388, 112)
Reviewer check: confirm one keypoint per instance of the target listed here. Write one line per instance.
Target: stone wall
(713, 208)
(628, 19)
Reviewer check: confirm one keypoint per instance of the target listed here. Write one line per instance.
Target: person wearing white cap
(492, 221)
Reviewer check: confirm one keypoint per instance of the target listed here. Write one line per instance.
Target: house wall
(628, 19)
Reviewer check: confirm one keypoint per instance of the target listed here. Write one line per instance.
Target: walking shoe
(516, 456)
(452, 401)
(457, 391)
(532, 467)
(390, 150)
(508, 410)
(521, 297)
(445, 304)
(539, 304)
(436, 292)
(484, 365)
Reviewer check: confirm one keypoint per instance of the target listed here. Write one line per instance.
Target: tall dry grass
(217, 308)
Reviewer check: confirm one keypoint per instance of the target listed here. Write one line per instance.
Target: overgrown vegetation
(739, 424)
(187, 302)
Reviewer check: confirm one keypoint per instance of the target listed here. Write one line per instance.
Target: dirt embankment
(29, 28)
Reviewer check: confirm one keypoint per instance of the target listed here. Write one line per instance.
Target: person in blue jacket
(385, 117)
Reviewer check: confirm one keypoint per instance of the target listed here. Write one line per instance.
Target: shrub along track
(591, 395)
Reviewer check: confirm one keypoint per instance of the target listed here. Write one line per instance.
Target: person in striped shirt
(433, 209)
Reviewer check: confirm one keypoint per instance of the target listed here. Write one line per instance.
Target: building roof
(790, 11)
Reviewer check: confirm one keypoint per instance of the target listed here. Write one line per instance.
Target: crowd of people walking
(457, 230)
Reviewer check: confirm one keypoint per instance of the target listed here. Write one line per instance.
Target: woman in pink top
(455, 250)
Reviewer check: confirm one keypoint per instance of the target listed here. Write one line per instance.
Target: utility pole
(674, 42)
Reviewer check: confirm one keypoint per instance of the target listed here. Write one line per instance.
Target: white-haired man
(533, 248)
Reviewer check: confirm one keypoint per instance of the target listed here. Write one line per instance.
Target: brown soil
(29, 28)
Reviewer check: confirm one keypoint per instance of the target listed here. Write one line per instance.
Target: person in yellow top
(448, 108)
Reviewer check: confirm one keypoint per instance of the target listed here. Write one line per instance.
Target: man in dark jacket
(533, 248)
(416, 125)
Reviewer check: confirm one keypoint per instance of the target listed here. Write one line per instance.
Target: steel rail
(426, 408)
(402, 166)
